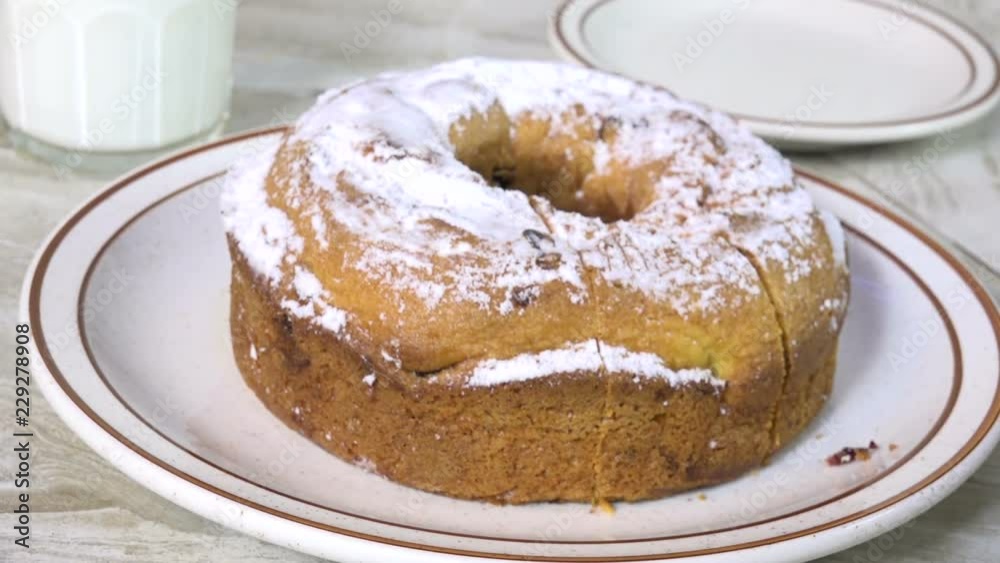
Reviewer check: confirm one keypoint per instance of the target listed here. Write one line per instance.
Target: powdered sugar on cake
(589, 356)
(378, 164)
(312, 303)
(266, 236)
(582, 357)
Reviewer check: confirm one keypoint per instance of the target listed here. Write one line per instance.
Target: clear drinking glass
(103, 85)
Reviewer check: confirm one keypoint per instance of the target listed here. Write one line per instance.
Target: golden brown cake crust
(602, 293)
(545, 439)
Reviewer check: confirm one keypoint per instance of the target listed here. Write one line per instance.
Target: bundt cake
(523, 281)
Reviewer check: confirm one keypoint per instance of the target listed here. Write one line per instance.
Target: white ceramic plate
(128, 306)
(801, 74)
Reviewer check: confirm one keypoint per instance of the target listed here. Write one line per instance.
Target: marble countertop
(289, 51)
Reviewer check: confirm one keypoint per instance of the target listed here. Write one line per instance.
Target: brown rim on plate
(943, 417)
(34, 293)
(557, 27)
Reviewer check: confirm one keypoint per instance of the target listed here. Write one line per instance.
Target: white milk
(115, 75)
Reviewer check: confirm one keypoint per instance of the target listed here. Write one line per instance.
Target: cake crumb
(702, 496)
(602, 505)
(366, 464)
(850, 455)
(893, 447)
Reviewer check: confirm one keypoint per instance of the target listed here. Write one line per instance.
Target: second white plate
(801, 74)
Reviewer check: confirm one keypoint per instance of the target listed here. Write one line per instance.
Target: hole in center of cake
(573, 186)
(569, 165)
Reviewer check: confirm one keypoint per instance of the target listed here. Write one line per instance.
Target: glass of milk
(103, 85)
